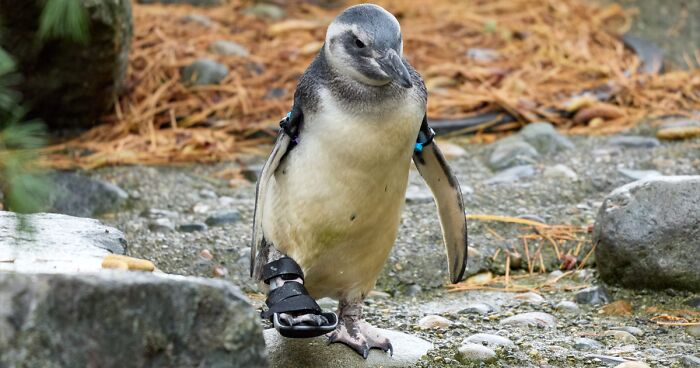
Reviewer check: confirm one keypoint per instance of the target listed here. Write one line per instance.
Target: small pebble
(223, 218)
(568, 307)
(471, 352)
(586, 344)
(593, 295)
(633, 330)
(200, 208)
(693, 330)
(539, 319)
(632, 365)
(219, 271)
(634, 141)
(162, 225)
(690, 361)
(228, 48)
(193, 227)
(530, 297)
(489, 340)
(622, 336)
(477, 308)
(206, 254)
(433, 321)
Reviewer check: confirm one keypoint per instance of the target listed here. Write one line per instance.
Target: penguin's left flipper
(287, 137)
(448, 196)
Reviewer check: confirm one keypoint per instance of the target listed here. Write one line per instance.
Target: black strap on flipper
(291, 124)
(284, 267)
(425, 136)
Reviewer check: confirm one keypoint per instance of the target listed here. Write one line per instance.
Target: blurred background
(158, 82)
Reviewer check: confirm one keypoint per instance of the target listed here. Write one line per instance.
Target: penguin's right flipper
(286, 140)
(293, 312)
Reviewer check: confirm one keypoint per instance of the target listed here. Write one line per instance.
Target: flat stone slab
(126, 319)
(57, 243)
(284, 352)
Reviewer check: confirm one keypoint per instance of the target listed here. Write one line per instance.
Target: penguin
(330, 195)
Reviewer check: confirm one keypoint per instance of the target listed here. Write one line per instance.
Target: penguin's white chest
(335, 203)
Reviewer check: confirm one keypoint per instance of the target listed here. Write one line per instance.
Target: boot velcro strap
(297, 304)
(286, 291)
(284, 267)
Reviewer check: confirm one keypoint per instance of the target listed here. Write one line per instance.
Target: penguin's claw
(362, 339)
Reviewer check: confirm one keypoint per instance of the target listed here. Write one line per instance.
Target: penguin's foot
(290, 308)
(361, 337)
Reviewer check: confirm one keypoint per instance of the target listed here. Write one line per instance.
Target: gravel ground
(416, 270)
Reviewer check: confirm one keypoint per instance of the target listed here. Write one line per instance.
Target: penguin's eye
(359, 43)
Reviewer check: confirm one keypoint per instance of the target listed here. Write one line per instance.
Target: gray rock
(630, 141)
(693, 330)
(413, 290)
(633, 330)
(69, 84)
(477, 308)
(161, 225)
(690, 361)
(490, 340)
(545, 138)
(470, 353)
(191, 228)
(190, 2)
(639, 174)
(594, 295)
(568, 307)
(126, 319)
(693, 302)
(648, 234)
(155, 213)
(560, 171)
(530, 297)
(433, 321)
(78, 195)
(317, 353)
(531, 319)
(199, 19)
(654, 351)
(228, 48)
(58, 243)
(622, 336)
(262, 10)
(586, 344)
(512, 174)
(509, 152)
(204, 72)
(223, 218)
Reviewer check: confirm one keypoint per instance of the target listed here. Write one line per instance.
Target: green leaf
(64, 19)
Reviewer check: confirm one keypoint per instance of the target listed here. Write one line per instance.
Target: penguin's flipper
(448, 197)
(286, 140)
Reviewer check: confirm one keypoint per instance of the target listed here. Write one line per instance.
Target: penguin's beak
(393, 66)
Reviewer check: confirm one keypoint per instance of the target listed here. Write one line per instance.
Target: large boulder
(55, 243)
(78, 195)
(126, 319)
(647, 234)
(69, 84)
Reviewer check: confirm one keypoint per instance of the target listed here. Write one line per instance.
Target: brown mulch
(546, 52)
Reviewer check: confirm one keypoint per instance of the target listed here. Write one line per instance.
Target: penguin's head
(364, 43)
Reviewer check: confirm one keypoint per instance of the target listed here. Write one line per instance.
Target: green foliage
(64, 19)
(20, 180)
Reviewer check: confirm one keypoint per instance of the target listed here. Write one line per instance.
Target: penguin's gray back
(335, 202)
